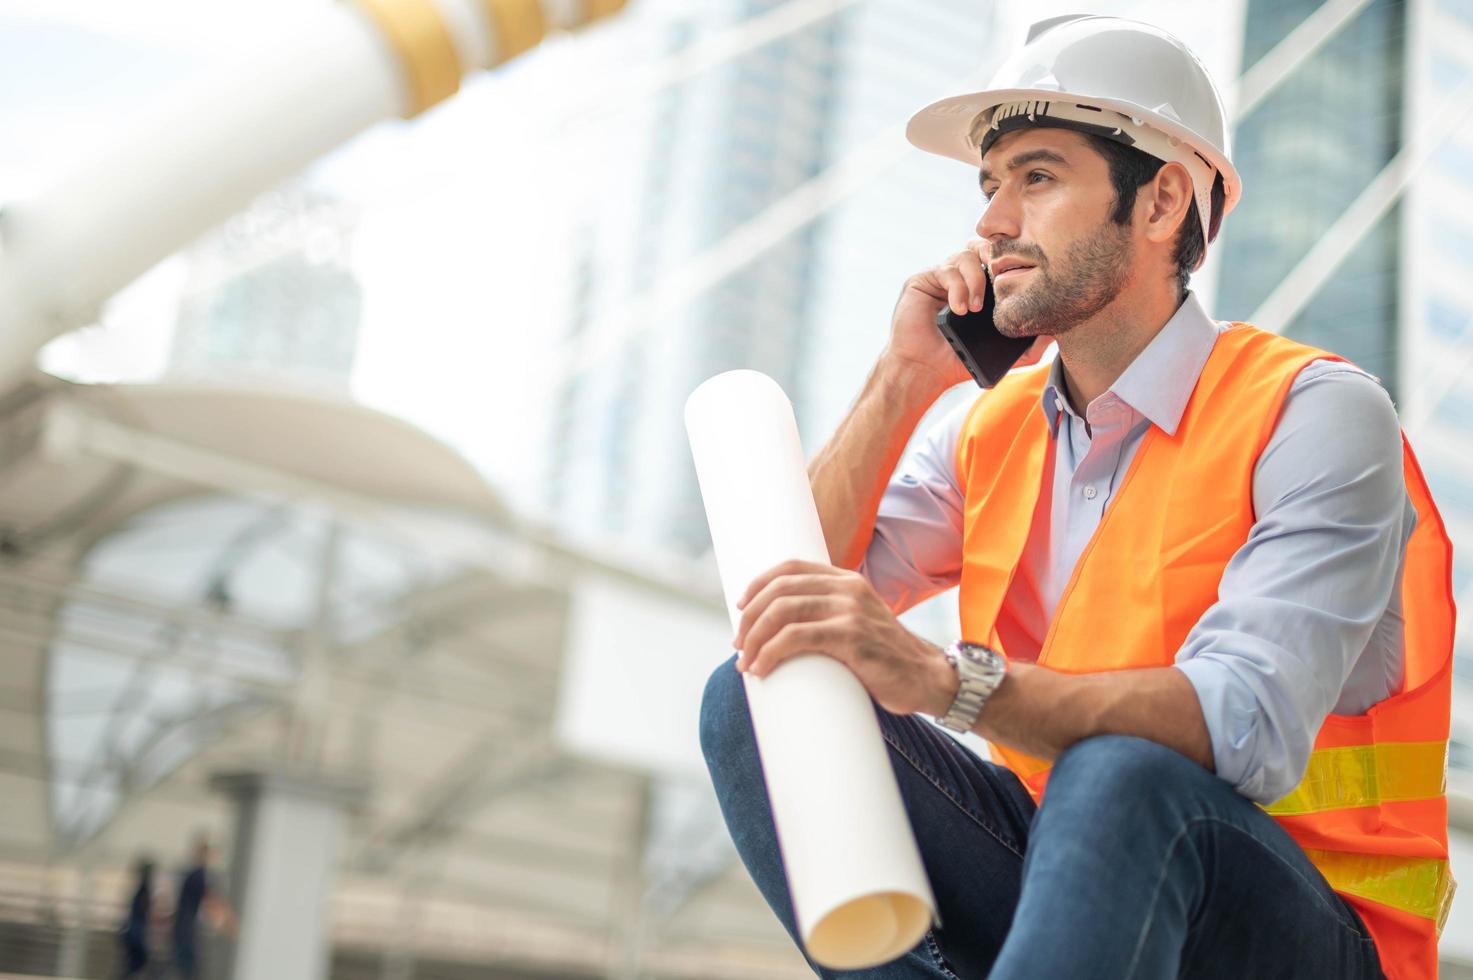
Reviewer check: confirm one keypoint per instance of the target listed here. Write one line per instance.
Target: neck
(1096, 351)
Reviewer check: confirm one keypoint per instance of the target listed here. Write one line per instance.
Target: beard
(1094, 270)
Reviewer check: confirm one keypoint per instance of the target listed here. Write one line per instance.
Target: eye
(1037, 173)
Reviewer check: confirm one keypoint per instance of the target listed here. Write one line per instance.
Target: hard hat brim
(944, 128)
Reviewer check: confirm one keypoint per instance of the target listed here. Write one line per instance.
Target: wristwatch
(981, 669)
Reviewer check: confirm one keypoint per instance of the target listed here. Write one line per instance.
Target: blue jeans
(1139, 863)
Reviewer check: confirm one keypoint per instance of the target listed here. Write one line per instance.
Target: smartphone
(987, 354)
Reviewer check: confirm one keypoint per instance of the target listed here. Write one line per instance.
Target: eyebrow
(1023, 159)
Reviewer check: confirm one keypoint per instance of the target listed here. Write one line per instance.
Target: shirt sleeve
(916, 549)
(1300, 601)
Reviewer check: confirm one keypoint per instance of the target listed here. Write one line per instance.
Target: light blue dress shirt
(1308, 617)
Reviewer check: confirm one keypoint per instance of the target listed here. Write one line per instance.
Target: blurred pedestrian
(133, 934)
(197, 893)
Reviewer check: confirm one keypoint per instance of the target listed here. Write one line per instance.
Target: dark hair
(1130, 169)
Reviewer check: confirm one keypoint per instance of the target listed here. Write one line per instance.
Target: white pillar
(281, 873)
(71, 960)
(230, 134)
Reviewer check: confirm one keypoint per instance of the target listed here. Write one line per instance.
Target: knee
(1120, 767)
(726, 725)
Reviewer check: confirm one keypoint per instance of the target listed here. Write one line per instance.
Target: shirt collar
(1160, 381)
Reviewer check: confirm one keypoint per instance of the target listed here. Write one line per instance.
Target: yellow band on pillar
(519, 24)
(418, 35)
(594, 9)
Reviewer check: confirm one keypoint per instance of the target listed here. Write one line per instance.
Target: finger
(956, 288)
(793, 640)
(970, 267)
(784, 610)
(814, 583)
(926, 282)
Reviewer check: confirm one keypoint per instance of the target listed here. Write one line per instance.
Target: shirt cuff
(1232, 715)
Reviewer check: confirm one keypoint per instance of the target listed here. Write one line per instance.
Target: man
(197, 893)
(1204, 593)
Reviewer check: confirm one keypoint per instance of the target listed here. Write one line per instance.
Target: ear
(1163, 203)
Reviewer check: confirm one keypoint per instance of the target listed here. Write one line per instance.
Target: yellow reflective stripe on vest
(1365, 775)
(1421, 886)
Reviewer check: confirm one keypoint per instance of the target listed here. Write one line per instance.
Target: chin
(1010, 326)
(1024, 330)
(1016, 330)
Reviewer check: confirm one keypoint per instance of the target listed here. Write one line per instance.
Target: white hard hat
(1122, 79)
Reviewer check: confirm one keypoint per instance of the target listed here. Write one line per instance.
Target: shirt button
(1090, 491)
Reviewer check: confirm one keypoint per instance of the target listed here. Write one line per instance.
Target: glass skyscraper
(1437, 300)
(272, 296)
(1305, 153)
(721, 148)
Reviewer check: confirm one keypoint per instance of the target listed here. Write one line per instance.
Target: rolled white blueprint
(860, 893)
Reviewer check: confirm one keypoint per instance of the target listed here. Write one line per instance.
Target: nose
(1000, 218)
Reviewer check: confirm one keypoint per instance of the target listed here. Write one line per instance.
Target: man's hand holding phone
(960, 283)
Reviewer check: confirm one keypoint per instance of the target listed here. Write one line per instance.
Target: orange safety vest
(1371, 810)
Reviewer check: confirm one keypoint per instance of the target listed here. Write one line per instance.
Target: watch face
(976, 651)
(976, 661)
